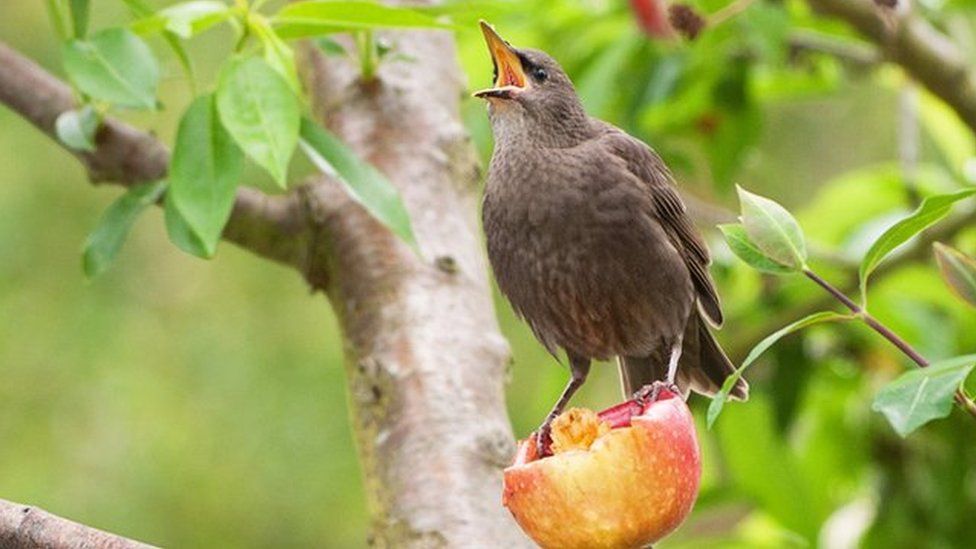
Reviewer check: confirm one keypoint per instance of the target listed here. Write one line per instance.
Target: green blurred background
(194, 404)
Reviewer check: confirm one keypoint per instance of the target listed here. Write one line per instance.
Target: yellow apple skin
(632, 487)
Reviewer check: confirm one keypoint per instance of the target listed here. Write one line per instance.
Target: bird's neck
(550, 130)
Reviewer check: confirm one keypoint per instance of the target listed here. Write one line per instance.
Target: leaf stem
(728, 12)
(961, 398)
(367, 54)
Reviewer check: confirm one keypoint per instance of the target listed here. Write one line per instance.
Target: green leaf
(261, 112)
(181, 234)
(140, 8)
(746, 250)
(104, 242)
(115, 66)
(923, 394)
(57, 18)
(204, 173)
(185, 20)
(958, 271)
(303, 19)
(329, 46)
(76, 128)
(928, 213)
(471, 11)
(718, 401)
(365, 183)
(277, 52)
(143, 10)
(79, 17)
(773, 230)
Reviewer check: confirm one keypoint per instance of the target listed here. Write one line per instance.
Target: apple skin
(635, 484)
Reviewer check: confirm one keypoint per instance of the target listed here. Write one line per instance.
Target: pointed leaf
(277, 52)
(185, 20)
(928, 213)
(718, 401)
(958, 271)
(204, 172)
(115, 66)
(181, 234)
(365, 183)
(58, 18)
(921, 395)
(303, 19)
(743, 247)
(104, 242)
(76, 128)
(773, 230)
(140, 9)
(261, 112)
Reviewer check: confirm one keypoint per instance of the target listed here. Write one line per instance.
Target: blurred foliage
(193, 403)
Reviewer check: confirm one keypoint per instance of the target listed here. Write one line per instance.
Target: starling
(589, 239)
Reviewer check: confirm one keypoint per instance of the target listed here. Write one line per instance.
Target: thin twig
(964, 402)
(728, 12)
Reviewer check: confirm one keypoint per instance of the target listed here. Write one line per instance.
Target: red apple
(624, 478)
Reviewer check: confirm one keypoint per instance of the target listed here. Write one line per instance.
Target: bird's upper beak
(509, 76)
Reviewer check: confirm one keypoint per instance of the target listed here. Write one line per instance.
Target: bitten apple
(625, 477)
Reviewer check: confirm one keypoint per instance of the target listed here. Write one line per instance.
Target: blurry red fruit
(652, 16)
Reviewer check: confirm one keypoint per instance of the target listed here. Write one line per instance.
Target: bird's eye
(540, 74)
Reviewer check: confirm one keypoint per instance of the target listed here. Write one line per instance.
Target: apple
(625, 477)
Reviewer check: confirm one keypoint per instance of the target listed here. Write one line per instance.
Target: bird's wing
(648, 167)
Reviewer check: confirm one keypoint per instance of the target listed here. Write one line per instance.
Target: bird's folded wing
(648, 167)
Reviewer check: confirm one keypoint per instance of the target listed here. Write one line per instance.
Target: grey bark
(426, 363)
(26, 527)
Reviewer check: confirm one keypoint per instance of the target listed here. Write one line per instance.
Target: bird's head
(531, 95)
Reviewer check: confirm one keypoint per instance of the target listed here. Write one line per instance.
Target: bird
(590, 241)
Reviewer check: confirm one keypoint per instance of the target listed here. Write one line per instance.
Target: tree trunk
(426, 362)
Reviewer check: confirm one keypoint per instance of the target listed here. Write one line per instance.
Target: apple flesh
(626, 477)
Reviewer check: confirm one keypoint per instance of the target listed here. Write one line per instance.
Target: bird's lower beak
(509, 76)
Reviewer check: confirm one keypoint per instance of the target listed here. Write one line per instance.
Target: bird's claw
(650, 392)
(543, 440)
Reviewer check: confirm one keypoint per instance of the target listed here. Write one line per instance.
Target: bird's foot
(543, 439)
(650, 392)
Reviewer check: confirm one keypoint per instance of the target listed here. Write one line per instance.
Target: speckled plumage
(590, 241)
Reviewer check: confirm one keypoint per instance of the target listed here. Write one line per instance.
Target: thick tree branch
(270, 226)
(920, 49)
(25, 527)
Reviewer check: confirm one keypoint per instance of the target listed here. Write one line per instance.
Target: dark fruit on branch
(686, 20)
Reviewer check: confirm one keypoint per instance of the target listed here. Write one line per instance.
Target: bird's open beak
(509, 77)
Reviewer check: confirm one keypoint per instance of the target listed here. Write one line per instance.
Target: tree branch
(919, 48)
(270, 226)
(25, 527)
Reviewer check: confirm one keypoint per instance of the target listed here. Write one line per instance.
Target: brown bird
(589, 240)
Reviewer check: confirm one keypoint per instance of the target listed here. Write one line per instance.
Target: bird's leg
(650, 392)
(579, 368)
(673, 362)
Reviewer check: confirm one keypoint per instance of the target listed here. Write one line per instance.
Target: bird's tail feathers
(703, 367)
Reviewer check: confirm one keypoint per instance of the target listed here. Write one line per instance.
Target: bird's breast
(579, 262)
